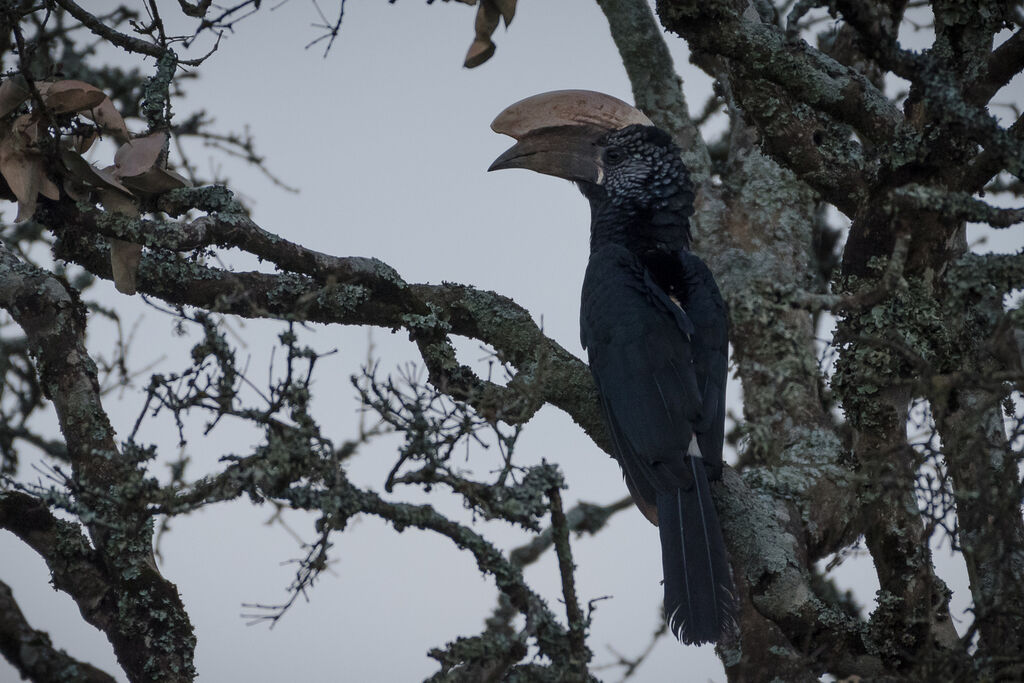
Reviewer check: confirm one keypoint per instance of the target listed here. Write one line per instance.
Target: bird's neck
(609, 224)
(665, 230)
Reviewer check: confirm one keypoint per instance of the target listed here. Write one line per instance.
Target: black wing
(640, 355)
(660, 371)
(699, 296)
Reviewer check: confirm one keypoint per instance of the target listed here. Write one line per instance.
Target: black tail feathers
(699, 600)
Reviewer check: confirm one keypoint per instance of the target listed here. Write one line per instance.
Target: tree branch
(350, 291)
(812, 145)
(574, 616)
(990, 161)
(74, 565)
(769, 565)
(33, 654)
(147, 626)
(799, 97)
(877, 33)
(1005, 62)
(122, 40)
(985, 472)
(761, 52)
(583, 517)
(958, 206)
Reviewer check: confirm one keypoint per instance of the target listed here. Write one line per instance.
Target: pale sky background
(388, 140)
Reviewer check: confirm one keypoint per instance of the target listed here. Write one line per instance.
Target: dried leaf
(82, 170)
(155, 181)
(48, 188)
(6, 142)
(69, 96)
(82, 143)
(124, 264)
(22, 170)
(507, 9)
(119, 203)
(124, 256)
(12, 93)
(75, 189)
(139, 155)
(487, 19)
(22, 173)
(93, 103)
(109, 119)
(479, 52)
(182, 180)
(27, 126)
(108, 176)
(26, 209)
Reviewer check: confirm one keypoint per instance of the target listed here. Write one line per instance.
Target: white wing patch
(693, 450)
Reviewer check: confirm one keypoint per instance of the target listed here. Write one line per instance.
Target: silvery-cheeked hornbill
(654, 326)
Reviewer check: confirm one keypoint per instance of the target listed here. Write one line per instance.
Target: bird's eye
(614, 155)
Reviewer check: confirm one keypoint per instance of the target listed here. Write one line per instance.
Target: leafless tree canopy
(837, 134)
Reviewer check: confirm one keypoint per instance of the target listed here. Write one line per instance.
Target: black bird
(654, 326)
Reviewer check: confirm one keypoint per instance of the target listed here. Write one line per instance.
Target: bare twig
(577, 624)
(113, 36)
(32, 652)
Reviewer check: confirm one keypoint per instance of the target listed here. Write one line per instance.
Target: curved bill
(569, 152)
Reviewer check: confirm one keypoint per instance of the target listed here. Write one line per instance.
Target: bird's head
(620, 160)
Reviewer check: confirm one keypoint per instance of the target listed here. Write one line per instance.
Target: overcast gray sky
(388, 140)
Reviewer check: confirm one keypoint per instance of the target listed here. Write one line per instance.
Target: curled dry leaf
(507, 9)
(108, 176)
(26, 127)
(124, 256)
(93, 103)
(479, 52)
(12, 93)
(22, 166)
(23, 170)
(68, 96)
(487, 18)
(71, 96)
(26, 209)
(48, 188)
(75, 188)
(90, 101)
(119, 203)
(155, 181)
(139, 155)
(82, 143)
(82, 171)
(124, 264)
(106, 116)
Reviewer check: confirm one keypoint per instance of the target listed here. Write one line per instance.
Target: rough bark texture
(33, 654)
(120, 589)
(804, 104)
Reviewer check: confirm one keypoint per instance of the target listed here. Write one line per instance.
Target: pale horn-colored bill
(567, 108)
